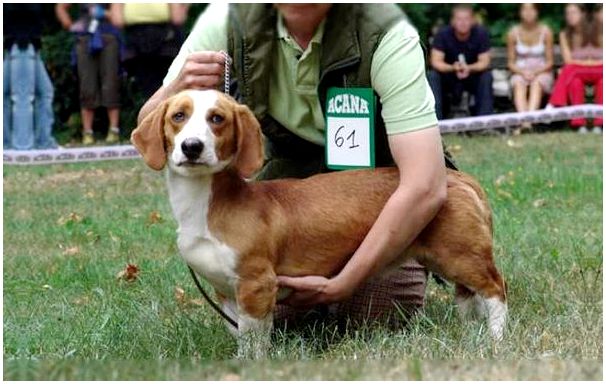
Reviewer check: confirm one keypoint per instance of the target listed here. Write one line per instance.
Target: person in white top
(530, 59)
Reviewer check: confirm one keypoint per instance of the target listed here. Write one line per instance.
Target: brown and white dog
(239, 235)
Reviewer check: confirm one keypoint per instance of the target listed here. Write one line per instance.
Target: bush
(58, 64)
(497, 17)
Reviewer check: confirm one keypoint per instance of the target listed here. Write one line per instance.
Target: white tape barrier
(506, 120)
(466, 124)
(70, 155)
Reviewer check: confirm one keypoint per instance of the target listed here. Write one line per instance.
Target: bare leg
(520, 94)
(536, 94)
(113, 115)
(87, 120)
(520, 97)
(534, 99)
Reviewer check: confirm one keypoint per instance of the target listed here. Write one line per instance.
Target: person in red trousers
(581, 47)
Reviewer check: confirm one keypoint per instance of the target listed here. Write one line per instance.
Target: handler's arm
(419, 196)
(398, 76)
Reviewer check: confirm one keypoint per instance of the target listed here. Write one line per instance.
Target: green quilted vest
(352, 34)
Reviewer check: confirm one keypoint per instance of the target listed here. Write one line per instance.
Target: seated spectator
(154, 35)
(581, 45)
(28, 90)
(530, 60)
(460, 59)
(98, 61)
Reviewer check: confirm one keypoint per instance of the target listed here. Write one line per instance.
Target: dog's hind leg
(489, 296)
(495, 311)
(466, 302)
(478, 285)
(491, 299)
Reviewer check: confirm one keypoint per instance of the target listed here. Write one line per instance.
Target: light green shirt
(397, 75)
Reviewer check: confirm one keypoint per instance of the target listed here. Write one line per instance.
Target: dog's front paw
(254, 337)
(251, 348)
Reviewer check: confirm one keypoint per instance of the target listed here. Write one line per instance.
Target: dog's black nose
(192, 148)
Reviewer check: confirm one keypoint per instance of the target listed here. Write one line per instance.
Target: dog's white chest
(213, 260)
(209, 257)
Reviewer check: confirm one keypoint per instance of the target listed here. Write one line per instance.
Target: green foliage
(426, 17)
(497, 17)
(58, 64)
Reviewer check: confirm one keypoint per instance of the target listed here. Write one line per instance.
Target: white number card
(350, 128)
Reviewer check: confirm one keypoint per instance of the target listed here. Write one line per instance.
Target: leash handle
(214, 305)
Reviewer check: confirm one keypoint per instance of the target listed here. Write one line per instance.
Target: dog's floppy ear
(148, 138)
(249, 152)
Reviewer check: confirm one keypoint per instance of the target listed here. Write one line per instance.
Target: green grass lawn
(69, 229)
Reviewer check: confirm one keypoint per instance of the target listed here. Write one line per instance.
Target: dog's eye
(216, 119)
(179, 117)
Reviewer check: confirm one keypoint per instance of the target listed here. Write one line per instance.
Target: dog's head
(200, 132)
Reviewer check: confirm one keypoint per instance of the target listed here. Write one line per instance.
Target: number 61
(340, 140)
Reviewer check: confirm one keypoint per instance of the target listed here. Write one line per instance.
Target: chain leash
(226, 79)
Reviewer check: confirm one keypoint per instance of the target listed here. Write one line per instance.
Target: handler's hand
(202, 70)
(309, 291)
